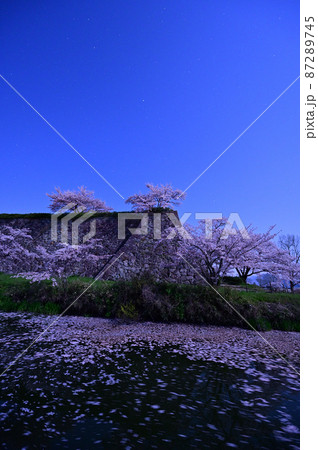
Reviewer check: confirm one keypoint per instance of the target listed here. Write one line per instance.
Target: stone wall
(140, 257)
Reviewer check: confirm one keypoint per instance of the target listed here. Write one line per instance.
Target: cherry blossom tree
(225, 250)
(16, 250)
(262, 255)
(292, 274)
(83, 260)
(163, 196)
(80, 201)
(277, 268)
(289, 272)
(20, 255)
(212, 256)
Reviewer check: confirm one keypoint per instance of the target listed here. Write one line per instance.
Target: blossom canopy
(81, 200)
(163, 196)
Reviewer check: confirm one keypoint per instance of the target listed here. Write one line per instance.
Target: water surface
(73, 393)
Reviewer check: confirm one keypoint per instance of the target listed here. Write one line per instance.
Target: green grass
(148, 300)
(35, 307)
(7, 281)
(276, 297)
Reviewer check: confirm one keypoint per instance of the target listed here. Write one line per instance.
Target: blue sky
(153, 91)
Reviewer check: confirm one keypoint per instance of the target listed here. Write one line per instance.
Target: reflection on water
(140, 397)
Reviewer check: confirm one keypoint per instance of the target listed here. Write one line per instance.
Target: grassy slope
(146, 300)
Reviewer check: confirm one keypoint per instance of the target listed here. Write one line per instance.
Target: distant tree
(292, 275)
(82, 200)
(163, 196)
(269, 281)
(291, 245)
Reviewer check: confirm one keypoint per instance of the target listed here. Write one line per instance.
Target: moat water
(137, 396)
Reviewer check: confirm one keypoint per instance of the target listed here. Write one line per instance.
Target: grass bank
(149, 300)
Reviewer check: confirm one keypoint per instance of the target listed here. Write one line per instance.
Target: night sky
(153, 92)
